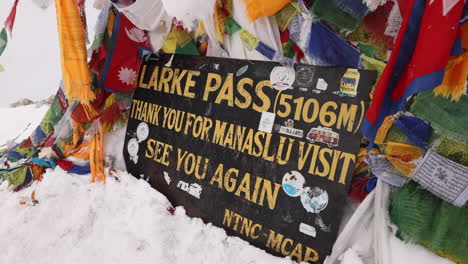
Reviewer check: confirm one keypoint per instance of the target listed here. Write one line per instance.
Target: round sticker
(142, 131)
(282, 78)
(314, 200)
(304, 76)
(132, 147)
(293, 183)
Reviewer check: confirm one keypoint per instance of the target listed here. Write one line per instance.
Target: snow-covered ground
(121, 221)
(20, 122)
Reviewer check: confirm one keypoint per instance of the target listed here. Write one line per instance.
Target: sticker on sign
(266, 122)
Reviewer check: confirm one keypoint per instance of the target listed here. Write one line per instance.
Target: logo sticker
(304, 76)
(282, 78)
(314, 200)
(349, 83)
(288, 129)
(293, 183)
(323, 135)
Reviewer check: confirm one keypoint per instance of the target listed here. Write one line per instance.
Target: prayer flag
(420, 55)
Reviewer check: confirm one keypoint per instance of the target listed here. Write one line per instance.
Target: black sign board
(262, 150)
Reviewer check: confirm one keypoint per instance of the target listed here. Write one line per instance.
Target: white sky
(32, 57)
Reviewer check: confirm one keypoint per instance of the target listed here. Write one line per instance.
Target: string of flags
(415, 129)
(8, 26)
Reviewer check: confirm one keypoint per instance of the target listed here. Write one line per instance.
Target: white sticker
(142, 131)
(443, 177)
(293, 183)
(321, 84)
(314, 199)
(132, 148)
(266, 122)
(282, 78)
(307, 229)
(167, 178)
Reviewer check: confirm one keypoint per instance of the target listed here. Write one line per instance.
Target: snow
(401, 252)
(351, 257)
(121, 221)
(20, 122)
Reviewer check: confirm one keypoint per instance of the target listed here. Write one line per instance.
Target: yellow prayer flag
(261, 8)
(73, 54)
(249, 40)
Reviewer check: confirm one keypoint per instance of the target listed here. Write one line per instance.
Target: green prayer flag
(231, 26)
(447, 117)
(330, 12)
(368, 50)
(287, 50)
(425, 219)
(188, 49)
(3, 40)
(16, 177)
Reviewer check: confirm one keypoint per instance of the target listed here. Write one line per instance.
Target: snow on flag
(419, 57)
(263, 150)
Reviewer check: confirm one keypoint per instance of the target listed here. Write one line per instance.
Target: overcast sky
(32, 57)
